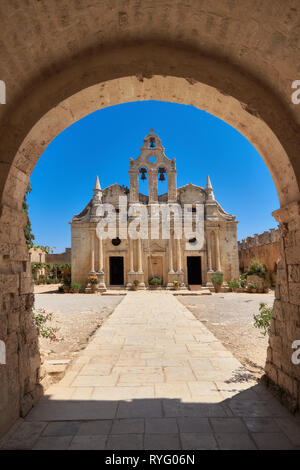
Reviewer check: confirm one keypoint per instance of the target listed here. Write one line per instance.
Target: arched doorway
(265, 122)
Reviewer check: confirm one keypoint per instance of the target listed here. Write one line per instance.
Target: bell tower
(152, 162)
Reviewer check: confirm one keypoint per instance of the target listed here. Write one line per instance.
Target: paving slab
(154, 377)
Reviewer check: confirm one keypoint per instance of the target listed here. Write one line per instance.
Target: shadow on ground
(250, 419)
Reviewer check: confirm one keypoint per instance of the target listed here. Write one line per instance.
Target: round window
(116, 241)
(152, 159)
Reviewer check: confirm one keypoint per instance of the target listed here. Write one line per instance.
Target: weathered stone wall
(19, 377)
(264, 248)
(59, 258)
(286, 312)
(37, 255)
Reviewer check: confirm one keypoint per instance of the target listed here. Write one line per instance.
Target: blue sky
(102, 143)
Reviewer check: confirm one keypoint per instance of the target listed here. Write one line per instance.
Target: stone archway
(92, 78)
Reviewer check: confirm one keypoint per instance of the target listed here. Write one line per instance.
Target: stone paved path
(154, 377)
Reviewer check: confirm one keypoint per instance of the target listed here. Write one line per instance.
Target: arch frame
(120, 74)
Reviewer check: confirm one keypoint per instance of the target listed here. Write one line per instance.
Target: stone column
(139, 253)
(208, 244)
(179, 256)
(218, 257)
(152, 182)
(100, 248)
(131, 272)
(130, 254)
(101, 285)
(134, 186)
(179, 273)
(172, 189)
(171, 273)
(92, 235)
(171, 268)
(140, 273)
(209, 259)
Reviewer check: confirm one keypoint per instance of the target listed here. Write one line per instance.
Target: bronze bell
(143, 172)
(162, 177)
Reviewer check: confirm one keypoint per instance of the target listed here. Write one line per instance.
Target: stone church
(118, 261)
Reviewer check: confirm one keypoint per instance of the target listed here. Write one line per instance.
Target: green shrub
(66, 281)
(155, 281)
(263, 319)
(243, 281)
(252, 286)
(256, 269)
(234, 284)
(76, 285)
(40, 318)
(217, 278)
(136, 282)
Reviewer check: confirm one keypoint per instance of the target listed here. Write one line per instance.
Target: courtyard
(153, 376)
(230, 318)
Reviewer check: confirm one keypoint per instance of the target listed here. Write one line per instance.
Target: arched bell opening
(143, 176)
(162, 182)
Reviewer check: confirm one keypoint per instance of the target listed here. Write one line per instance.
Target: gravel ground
(76, 315)
(230, 318)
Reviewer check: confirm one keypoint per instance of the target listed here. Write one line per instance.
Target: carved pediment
(155, 247)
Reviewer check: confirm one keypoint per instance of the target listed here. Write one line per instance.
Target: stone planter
(218, 288)
(257, 280)
(66, 289)
(75, 291)
(94, 288)
(252, 291)
(134, 287)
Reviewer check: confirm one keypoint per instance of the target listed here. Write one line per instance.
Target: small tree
(29, 237)
(263, 319)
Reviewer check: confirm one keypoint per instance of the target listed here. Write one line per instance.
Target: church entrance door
(116, 270)
(194, 270)
(155, 266)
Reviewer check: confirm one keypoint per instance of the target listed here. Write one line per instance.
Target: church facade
(121, 258)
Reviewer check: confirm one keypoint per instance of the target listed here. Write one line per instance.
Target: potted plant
(266, 287)
(155, 281)
(217, 280)
(93, 281)
(66, 285)
(252, 287)
(234, 285)
(176, 284)
(135, 284)
(75, 287)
